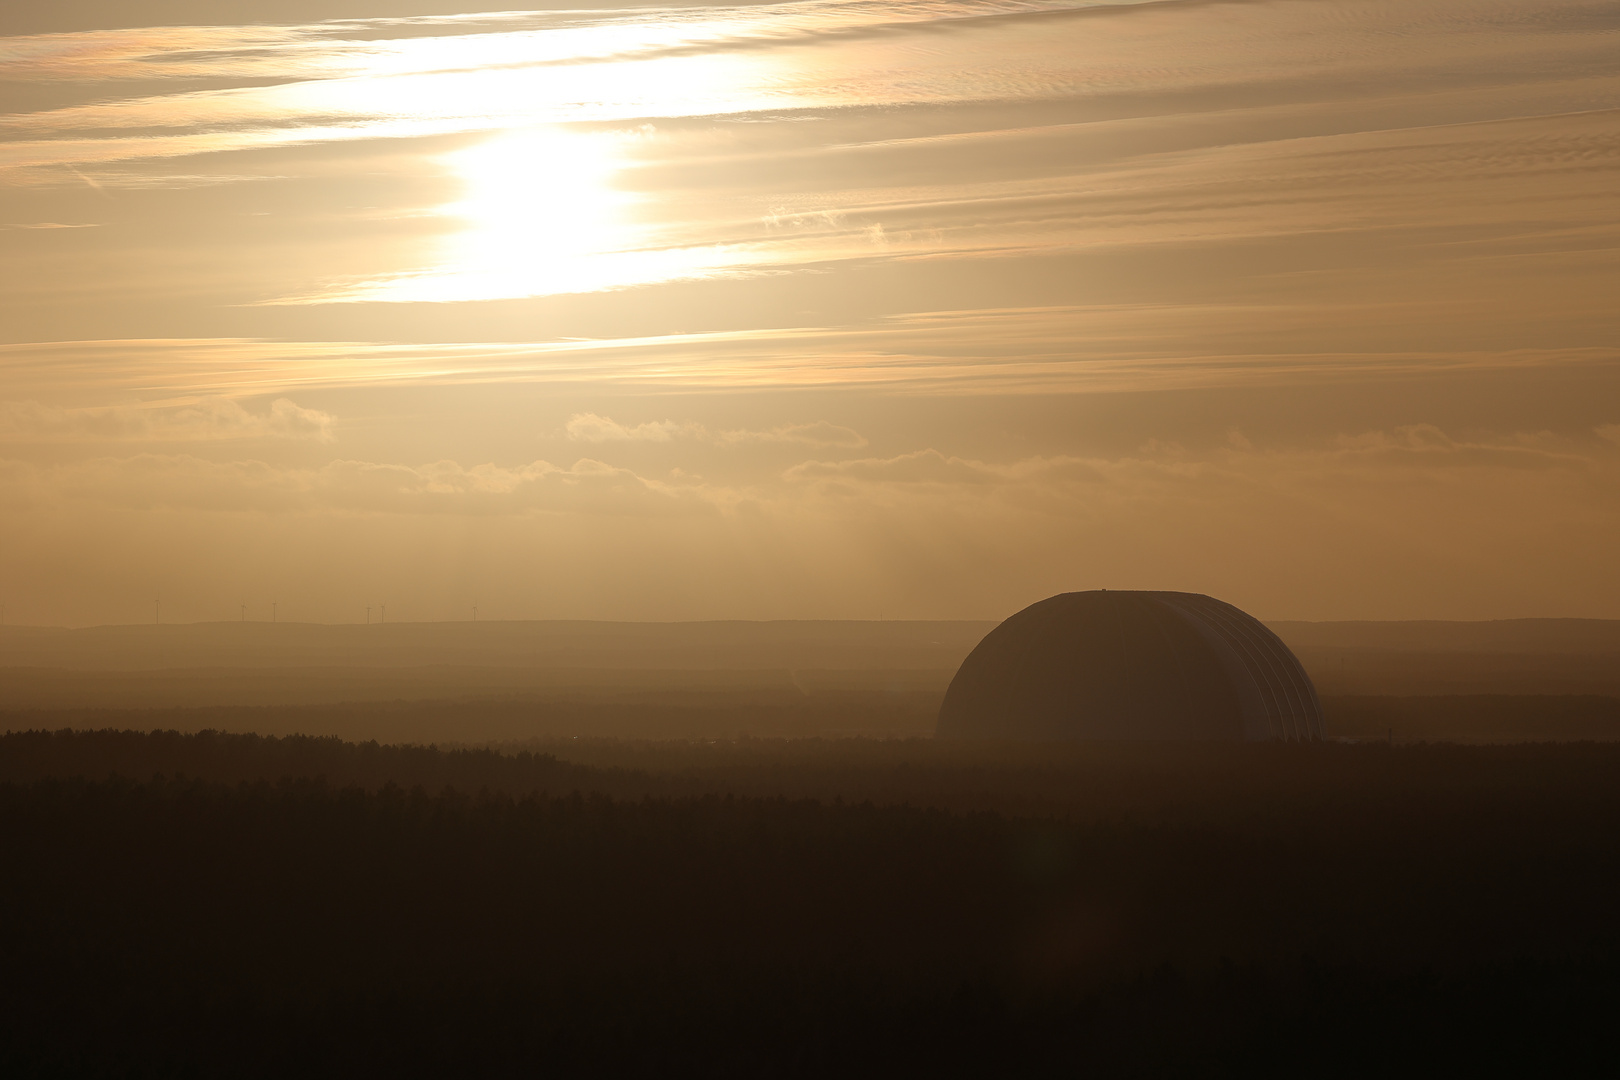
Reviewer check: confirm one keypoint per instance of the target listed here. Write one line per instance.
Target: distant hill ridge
(718, 645)
(711, 645)
(1496, 635)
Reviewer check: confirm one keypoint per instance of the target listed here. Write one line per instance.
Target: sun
(542, 212)
(545, 211)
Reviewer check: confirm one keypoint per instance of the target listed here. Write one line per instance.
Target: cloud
(185, 482)
(349, 48)
(1069, 350)
(820, 433)
(1407, 458)
(1343, 524)
(589, 427)
(1310, 152)
(1424, 444)
(211, 419)
(122, 179)
(919, 467)
(316, 83)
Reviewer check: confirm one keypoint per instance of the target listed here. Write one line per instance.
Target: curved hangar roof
(1131, 665)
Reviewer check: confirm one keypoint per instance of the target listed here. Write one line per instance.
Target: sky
(882, 309)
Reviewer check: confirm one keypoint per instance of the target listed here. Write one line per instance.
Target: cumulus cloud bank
(1417, 508)
(1163, 472)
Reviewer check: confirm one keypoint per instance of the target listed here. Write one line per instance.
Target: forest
(210, 903)
(778, 711)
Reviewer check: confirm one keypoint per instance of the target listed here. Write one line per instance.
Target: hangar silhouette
(1131, 665)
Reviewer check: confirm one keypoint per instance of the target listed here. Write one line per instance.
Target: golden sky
(813, 309)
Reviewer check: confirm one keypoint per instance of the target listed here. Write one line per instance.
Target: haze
(810, 310)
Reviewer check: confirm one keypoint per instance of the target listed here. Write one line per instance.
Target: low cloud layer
(1399, 459)
(928, 533)
(208, 420)
(186, 483)
(589, 427)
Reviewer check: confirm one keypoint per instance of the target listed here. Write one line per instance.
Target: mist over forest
(497, 681)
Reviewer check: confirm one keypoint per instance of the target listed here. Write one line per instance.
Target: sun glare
(539, 206)
(544, 211)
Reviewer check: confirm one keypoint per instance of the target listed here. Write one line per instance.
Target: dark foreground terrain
(234, 905)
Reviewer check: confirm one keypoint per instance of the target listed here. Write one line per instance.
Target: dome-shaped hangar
(1131, 665)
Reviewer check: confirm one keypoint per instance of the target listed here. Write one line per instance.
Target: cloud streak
(211, 419)
(1065, 350)
(1253, 122)
(622, 68)
(346, 48)
(589, 427)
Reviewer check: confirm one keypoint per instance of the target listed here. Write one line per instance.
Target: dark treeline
(1133, 910)
(1172, 783)
(786, 712)
(661, 714)
(235, 758)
